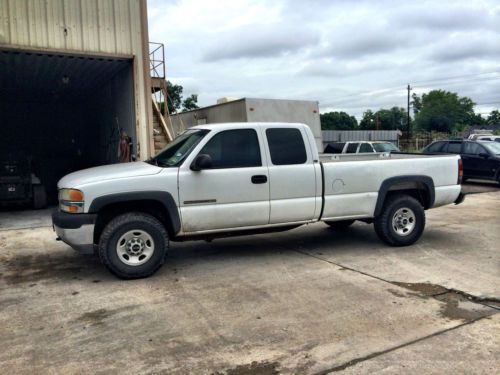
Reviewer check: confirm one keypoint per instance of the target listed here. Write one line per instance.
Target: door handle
(259, 179)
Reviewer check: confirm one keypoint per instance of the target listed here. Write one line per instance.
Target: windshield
(175, 152)
(384, 147)
(493, 147)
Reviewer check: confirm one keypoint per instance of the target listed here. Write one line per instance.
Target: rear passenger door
(293, 175)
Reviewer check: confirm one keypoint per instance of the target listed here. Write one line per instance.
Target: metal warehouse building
(253, 110)
(72, 74)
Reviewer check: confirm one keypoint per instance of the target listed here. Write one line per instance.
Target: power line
(442, 80)
(454, 77)
(485, 79)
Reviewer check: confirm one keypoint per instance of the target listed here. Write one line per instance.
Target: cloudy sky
(347, 55)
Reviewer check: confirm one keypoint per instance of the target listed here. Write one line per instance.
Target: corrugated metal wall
(103, 26)
(359, 135)
(110, 27)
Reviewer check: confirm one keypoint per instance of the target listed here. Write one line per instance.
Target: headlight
(71, 200)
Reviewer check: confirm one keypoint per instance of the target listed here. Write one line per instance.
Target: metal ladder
(162, 126)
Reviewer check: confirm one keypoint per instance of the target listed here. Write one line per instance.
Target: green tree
(191, 102)
(174, 99)
(416, 104)
(338, 121)
(384, 119)
(444, 111)
(368, 120)
(493, 118)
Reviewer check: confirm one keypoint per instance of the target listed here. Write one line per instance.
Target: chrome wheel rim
(403, 221)
(135, 247)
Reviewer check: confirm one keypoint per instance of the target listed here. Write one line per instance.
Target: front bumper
(76, 230)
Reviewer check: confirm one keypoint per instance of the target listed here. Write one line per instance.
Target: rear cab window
(286, 146)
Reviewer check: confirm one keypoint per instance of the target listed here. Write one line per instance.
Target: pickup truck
(240, 179)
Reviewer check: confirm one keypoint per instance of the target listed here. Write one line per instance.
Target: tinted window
(234, 149)
(493, 147)
(365, 147)
(435, 147)
(286, 146)
(472, 148)
(351, 148)
(385, 147)
(454, 147)
(334, 148)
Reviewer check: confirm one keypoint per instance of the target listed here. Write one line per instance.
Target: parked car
(239, 179)
(494, 138)
(357, 147)
(484, 137)
(481, 159)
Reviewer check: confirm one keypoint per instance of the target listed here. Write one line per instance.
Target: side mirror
(202, 161)
(484, 155)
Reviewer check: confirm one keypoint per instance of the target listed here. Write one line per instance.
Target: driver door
(234, 192)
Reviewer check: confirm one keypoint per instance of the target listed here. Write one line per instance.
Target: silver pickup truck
(239, 179)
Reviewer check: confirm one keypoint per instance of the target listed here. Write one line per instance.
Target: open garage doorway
(63, 112)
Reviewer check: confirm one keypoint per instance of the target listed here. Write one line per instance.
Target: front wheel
(133, 245)
(401, 221)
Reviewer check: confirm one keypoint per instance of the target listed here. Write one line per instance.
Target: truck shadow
(312, 240)
(66, 265)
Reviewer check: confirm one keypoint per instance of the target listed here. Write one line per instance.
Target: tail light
(460, 171)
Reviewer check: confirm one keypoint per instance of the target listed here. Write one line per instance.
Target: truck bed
(352, 181)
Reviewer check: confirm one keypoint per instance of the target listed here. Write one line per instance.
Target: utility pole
(408, 113)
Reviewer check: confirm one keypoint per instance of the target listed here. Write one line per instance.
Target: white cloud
(341, 53)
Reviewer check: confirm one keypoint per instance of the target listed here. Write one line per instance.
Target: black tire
(119, 227)
(39, 197)
(341, 224)
(385, 229)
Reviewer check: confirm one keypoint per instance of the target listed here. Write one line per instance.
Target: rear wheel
(340, 225)
(401, 221)
(133, 245)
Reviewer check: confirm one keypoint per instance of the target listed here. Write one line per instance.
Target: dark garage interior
(63, 112)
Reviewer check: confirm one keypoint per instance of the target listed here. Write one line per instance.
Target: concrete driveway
(308, 301)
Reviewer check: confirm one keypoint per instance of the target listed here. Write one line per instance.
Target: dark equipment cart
(19, 185)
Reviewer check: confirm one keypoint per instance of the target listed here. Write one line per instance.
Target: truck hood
(107, 172)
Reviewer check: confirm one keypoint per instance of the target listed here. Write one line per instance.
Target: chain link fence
(418, 140)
